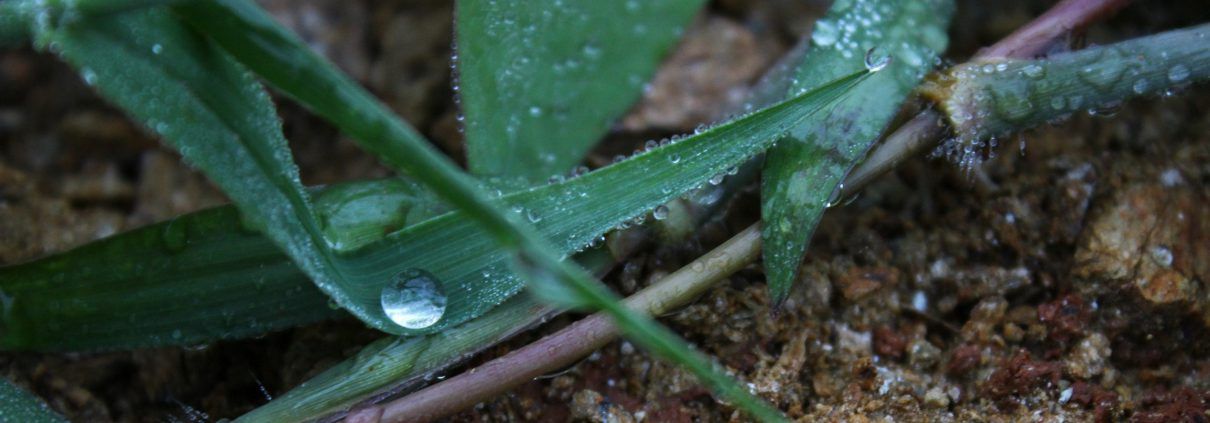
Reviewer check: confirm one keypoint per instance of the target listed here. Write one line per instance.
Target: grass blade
(458, 251)
(17, 405)
(802, 172)
(571, 214)
(522, 68)
(198, 278)
(208, 108)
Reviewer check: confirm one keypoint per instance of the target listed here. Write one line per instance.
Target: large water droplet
(875, 62)
(413, 299)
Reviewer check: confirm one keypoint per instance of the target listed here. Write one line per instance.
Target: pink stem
(1036, 36)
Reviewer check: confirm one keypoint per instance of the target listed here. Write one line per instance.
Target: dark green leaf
(197, 278)
(803, 171)
(207, 107)
(542, 80)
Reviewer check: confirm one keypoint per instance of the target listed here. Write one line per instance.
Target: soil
(1065, 279)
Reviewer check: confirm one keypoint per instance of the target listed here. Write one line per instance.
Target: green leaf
(802, 172)
(523, 72)
(196, 278)
(208, 108)
(17, 405)
(472, 272)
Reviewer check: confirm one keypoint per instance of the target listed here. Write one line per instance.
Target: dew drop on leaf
(824, 34)
(533, 216)
(174, 237)
(1034, 71)
(1140, 86)
(660, 213)
(875, 62)
(1178, 73)
(413, 299)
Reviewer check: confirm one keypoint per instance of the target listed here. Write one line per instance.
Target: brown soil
(1068, 280)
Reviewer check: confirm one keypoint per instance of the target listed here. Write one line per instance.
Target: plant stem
(564, 347)
(923, 132)
(991, 97)
(1041, 33)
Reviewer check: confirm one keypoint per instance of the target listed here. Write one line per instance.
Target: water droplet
(592, 51)
(532, 216)
(535, 111)
(717, 179)
(674, 158)
(874, 63)
(1140, 86)
(413, 299)
(157, 49)
(1162, 255)
(1034, 71)
(660, 213)
(174, 236)
(90, 77)
(1178, 73)
(824, 33)
(1106, 110)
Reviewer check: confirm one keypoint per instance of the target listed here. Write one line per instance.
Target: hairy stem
(991, 97)
(923, 132)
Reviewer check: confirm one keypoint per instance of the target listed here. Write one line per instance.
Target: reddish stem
(1035, 37)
